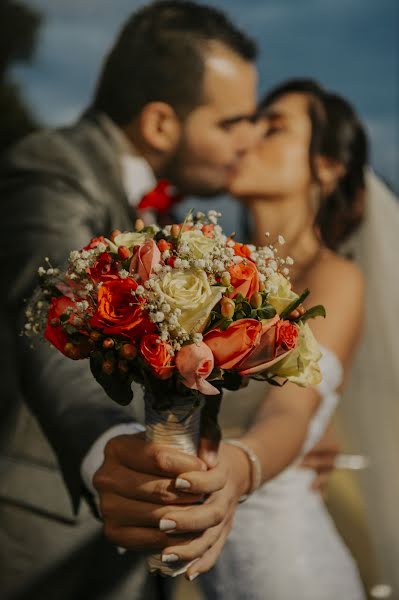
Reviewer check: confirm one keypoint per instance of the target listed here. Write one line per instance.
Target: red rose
(244, 279)
(286, 334)
(94, 242)
(104, 269)
(156, 353)
(115, 313)
(55, 334)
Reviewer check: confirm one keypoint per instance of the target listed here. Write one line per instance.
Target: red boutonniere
(161, 198)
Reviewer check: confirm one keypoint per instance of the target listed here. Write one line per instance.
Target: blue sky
(351, 46)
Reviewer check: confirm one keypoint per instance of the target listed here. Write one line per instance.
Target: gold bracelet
(256, 469)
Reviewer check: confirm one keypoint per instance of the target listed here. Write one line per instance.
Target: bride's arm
(281, 424)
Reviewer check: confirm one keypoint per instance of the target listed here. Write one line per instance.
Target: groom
(175, 101)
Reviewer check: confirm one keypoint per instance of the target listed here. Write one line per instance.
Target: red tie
(161, 198)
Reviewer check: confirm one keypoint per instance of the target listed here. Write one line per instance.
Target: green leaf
(266, 312)
(116, 386)
(239, 315)
(232, 380)
(225, 323)
(216, 375)
(295, 304)
(246, 308)
(272, 379)
(315, 311)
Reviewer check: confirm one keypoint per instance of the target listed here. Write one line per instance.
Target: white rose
(280, 295)
(301, 365)
(189, 291)
(200, 246)
(131, 238)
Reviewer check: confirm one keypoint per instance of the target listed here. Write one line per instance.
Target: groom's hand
(136, 486)
(322, 460)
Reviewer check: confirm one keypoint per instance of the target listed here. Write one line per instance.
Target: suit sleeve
(51, 219)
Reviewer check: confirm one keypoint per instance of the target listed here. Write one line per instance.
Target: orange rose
(241, 250)
(115, 315)
(231, 346)
(55, 334)
(156, 354)
(286, 334)
(244, 279)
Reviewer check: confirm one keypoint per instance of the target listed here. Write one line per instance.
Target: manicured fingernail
(182, 484)
(167, 525)
(168, 558)
(193, 576)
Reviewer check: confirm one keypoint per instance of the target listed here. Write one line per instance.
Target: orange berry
(139, 225)
(72, 351)
(108, 367)
(123, 252)
(128, 351)
(108, 343)
(114, 234)
(175, 230)
(163, 245)
(227, 307)
(256, 300)
(95, 335)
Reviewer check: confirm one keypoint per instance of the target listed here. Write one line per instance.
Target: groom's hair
(159, 56)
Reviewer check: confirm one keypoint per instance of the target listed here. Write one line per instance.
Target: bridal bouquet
(185, 311)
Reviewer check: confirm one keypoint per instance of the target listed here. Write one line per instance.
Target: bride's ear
(329, 172)
(159, 127)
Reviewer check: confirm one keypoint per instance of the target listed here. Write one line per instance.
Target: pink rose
(195, 362)
(144, 260)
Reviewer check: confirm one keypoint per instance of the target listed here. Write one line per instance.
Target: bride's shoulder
(337, 283)
(335, 274)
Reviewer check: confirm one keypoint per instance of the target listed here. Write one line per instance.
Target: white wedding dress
(283, 544)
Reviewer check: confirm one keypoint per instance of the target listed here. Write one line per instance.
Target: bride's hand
(233, 477)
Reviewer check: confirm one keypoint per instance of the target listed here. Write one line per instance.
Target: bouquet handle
(177, 427)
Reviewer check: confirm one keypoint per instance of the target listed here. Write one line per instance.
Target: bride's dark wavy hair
(337, 134)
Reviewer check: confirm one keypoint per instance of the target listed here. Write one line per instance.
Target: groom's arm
(51, 218)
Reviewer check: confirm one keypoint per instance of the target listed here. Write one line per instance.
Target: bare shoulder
(335, 277)
(338, 284)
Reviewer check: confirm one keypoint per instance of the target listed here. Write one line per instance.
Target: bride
(306, 181)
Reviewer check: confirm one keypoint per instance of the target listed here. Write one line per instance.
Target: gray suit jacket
(58, 188)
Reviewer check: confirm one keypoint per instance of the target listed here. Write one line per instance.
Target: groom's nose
(248, 135)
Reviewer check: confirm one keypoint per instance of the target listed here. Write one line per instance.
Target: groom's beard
(192, 176)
